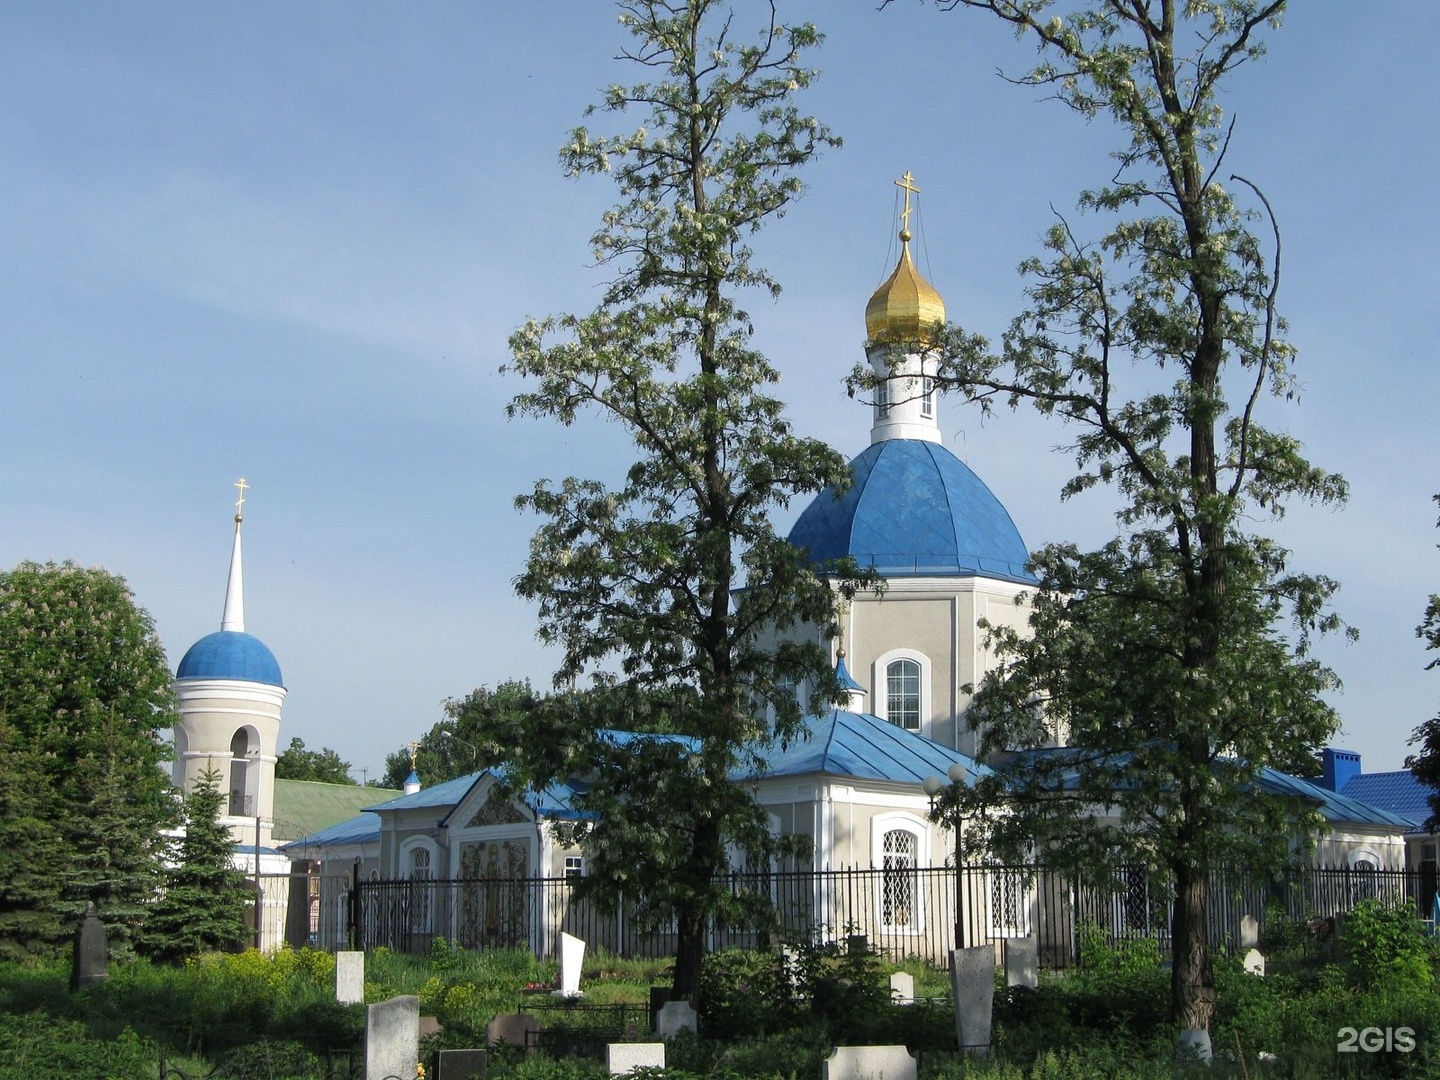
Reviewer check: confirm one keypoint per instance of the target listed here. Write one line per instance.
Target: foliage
(676, 575)
(324, 765)
(1161, 659)
(1426, 764)
(203, 904)
(85, 693)
(449, 749)
(1388, 948)
(30, 847)
(35, 1044)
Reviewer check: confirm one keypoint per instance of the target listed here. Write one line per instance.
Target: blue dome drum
(914, 509)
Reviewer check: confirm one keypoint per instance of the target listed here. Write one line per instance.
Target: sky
(288, 241)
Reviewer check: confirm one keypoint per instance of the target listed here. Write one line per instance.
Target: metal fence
(911, 912)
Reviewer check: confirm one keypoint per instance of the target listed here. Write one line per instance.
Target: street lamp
(933, 786)
(474, 750)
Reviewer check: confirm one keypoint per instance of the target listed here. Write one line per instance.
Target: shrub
(42, 1045)
(1387, 947)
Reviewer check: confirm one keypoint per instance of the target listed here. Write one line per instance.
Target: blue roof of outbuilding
(230, 654)
(1399, 792)
(914, 508)
(863, 746)
(361, 829)
(1333, 805)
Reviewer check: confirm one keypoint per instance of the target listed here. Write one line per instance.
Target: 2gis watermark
(1374, 1040)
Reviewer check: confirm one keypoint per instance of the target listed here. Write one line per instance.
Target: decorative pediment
(497, 812)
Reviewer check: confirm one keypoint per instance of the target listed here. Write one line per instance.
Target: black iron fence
(910, 912)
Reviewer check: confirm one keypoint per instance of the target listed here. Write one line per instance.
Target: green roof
(303, 807)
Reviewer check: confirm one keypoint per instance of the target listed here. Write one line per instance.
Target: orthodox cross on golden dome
(908, 183)
(240, 485)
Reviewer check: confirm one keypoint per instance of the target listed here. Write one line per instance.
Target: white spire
(234, 617)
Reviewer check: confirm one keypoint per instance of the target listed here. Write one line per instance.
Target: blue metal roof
(361, 829)
(916, 509)
(230, 654)
(863, 746)
(1399, 792)
(1333, 805)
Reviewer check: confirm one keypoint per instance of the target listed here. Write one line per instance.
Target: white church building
(856, 785)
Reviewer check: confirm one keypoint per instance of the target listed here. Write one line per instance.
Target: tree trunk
(689, 954)
(1192, 980)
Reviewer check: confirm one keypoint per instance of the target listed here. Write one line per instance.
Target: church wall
(213, 712)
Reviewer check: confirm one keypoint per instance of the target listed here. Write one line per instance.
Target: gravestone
(90, 963)
(512, 1029)
(349, 977)
(392, 1038)
(1255, 963)
(572, 957)
(461, 1064)
(624, 1058)
(902, 988)
(1022, 962)
(869, 1063)
(1249, 931)
(675, 1017)
(972, 978)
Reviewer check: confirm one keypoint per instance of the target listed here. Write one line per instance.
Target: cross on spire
(907, 182)
(241, 486)
(414, 749)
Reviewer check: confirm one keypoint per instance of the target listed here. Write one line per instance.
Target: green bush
(1387, 947)
(37, 1044)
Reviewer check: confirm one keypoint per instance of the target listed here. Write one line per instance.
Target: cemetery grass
(273, 1017)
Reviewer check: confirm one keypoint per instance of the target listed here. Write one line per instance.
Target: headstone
(659, 995)
(461, 1064)
(675, 1017)
(392, 1038)
(1194, 1045)
(349, 977)
(1255, 963)
(972, 978)
(869, 1063)
(572, 957)
(624, 1058)
(857, 944)
(1022, 962)
(90, 963)
(1249, 931)
(902, 988)
(429, 1026)
(512, 1029)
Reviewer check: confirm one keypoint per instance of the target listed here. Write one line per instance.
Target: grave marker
(675, 1017)
(902, 988)
(349, 977)
(1022, 962)
(572, 957)
(392, 1038)
(624, 1058)
(869, 1063)
(972, 978)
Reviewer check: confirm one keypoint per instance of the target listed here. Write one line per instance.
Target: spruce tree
(203, 904)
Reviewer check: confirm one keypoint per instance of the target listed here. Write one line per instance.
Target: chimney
(1338, 767)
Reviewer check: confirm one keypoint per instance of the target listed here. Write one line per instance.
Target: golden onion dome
(905, 308)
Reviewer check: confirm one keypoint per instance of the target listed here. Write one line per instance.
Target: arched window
(902, 694)
(898, 887)
(244, 772)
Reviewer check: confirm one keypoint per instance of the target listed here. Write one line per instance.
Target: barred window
(898, 885)
(574, 866)
(927, 397)
(882, 399)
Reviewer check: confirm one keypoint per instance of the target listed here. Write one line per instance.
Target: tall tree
(323, 765)
(1426, 764)
(676, 575)
(1163, 658)
(202, 908)
(30, 850)
(87, 692)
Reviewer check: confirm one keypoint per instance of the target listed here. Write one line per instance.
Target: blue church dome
(915, 509)
(230, 654)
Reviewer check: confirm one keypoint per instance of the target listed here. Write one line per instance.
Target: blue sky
(289, 241)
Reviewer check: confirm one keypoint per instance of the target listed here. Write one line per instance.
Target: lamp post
(474, 750)
(957, 775)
